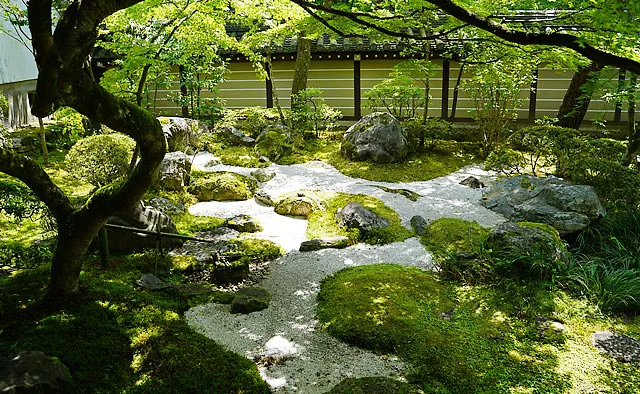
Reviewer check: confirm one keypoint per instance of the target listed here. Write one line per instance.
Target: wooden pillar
(617, 117)
(533, 96)
(357, 99)
(444, 110)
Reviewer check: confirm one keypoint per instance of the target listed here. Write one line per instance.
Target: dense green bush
(274, 144)
(254, 120)
(426, 134)
(100, 159)
(68, 128)
(616, 185)
(506, 161)
(398, 95)
(19, 257)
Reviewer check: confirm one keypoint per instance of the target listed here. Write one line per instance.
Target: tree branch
(37, 180)
(555, 39)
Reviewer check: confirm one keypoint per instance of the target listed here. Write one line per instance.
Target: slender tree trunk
(183, 92)
(456, 90)
(303, 61)
(43, 142)
(273, 90)
(633, 146)
(577, 98)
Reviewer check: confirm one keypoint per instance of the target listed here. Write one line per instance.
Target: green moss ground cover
(117, 337)
(473, 339)
(323, 223)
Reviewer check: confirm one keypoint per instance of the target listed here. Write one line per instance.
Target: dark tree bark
(63, 80)
(456, 91)
(303, 61)
(575, 102)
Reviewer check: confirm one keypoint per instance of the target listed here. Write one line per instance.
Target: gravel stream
(292, 355)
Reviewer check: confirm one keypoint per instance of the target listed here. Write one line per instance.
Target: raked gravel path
(314, 362)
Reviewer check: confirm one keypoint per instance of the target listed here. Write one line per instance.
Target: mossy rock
(250, 299)
(453, 235)
(527, 250)
(302, 203)
(377, 385)
(225, 272)
(224, 186)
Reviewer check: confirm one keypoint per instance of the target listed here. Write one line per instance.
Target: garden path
(313, 362)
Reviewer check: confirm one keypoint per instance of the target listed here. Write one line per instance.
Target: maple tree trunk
(575, 102)
(303, 61)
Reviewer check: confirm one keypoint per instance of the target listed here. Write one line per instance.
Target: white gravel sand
(308, 360)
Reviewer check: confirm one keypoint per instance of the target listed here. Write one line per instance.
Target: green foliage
(311, 113)
(189, 224)
(506, 161)
(607, 265)
(68, 127)
(19, 202)
(398, 95)
(199, 77)
(495, 90)
(323, 223)
(100, 159)
(17, 256)
(253, 120)
(426, 134)
(4, 107)
(616, 185)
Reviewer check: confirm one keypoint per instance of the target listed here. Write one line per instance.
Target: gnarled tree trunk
(64, 81)
(303, 61)
(575, 102)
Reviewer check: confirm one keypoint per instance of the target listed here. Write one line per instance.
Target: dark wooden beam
(269, 87)
(444, 111)
(357, 99)
(617, 117)
(533, 96)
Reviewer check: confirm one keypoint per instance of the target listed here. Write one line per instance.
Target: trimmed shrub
(100, 159)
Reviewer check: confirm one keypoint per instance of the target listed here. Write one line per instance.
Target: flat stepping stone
(324, 243)
(411, 195)
(621, 347)
(152, 282)
(250, 299)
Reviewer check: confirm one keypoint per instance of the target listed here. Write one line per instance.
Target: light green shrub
(100, 159)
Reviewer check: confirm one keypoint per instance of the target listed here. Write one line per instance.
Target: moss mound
(324, 224)
(459, 339)
(452, 235)
(223, 186)
(301, 203)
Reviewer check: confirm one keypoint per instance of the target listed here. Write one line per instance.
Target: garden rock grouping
(566, 207)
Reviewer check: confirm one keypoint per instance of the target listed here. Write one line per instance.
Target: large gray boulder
(621, 347)
(235, 137)
(566, 207)
(32, 372)
(174, 171)
(180, 133)
(378, 137)
(144, 218)
(354, 215)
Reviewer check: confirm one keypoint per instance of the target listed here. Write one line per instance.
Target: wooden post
(617, 117)
(444, 111)
(357, 86)
(103, 243)
(533, 96)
